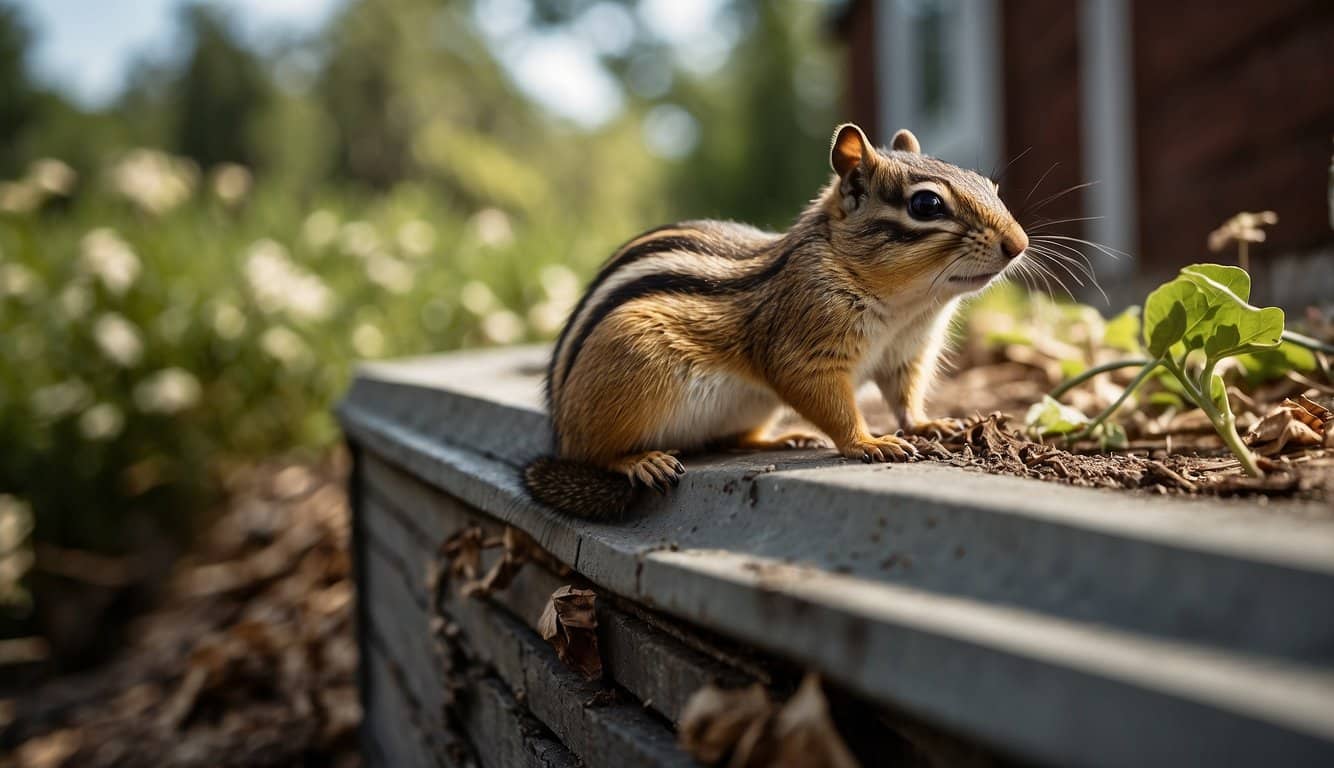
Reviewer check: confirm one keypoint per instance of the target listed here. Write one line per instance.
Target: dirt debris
(249, 659)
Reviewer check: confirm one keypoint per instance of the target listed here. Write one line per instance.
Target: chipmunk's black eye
(925, 205)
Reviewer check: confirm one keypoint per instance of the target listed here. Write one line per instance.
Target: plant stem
(1075, 381)
(1314, 345)
(1225, 424)
(1149, 366)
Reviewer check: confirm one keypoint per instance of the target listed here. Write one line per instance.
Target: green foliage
(147, 350)
(1051, 417)
(1191, 324)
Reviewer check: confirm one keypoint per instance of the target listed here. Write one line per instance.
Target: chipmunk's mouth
(973, 281)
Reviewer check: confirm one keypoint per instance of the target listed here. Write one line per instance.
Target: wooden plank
(398, 730)
(615, 734)
(653, 666)
(505, 733)
(404, 631)
(1060, 624)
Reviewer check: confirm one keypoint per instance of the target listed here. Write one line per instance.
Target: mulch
(249, 659)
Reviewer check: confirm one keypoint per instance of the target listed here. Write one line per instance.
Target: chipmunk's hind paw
(787, 442)
(940, 429)
(652, 469)
(881, 449)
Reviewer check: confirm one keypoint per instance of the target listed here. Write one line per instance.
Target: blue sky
(86, 47)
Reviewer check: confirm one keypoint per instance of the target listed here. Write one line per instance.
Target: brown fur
(700, 330)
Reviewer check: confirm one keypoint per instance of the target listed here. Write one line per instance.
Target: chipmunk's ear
(849, 148)
(905, 141)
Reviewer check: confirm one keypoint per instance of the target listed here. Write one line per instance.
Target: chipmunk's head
(906, 222)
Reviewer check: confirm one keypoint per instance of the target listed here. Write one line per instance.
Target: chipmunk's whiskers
(1105, 249)
(1053, 222)
(1049, 199)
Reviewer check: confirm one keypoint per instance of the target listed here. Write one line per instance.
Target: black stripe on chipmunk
(884, 230)
(624, 257)
(674, 283)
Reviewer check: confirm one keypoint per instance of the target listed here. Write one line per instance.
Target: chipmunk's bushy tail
(577, 489)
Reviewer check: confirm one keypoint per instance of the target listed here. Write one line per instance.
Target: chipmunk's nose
(1014, 243)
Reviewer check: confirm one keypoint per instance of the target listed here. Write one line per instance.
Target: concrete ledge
(1058, 624)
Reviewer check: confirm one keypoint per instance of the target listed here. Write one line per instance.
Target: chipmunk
(694, 335)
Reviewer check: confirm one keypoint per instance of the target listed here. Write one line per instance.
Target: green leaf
(1269, 364)
(1204, 309)
(1232, 278)
(1122, 331)
(1051, 417)
(1112, 437)
(1165, 314)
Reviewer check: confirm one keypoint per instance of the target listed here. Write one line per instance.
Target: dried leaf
(569, 623)
(1292, 423)
(806, 735)
(748, 726)
(463, 550)
(714, 721)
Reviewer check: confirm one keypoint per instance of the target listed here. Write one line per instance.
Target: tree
(221, 92)
(20, 104)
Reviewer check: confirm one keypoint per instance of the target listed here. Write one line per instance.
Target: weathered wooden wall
(950, 613)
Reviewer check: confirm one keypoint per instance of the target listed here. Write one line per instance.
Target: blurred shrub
(157, 329)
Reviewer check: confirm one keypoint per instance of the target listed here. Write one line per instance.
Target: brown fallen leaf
(714, 721)
(1292, 423)
(806, 735)
(463, 550)
(756, 733)
(569, 623)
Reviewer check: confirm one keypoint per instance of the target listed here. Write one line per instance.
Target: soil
(1168, 453)
(249, 660)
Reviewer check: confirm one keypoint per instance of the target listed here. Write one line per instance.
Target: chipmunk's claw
(881, 449)
(657, 470)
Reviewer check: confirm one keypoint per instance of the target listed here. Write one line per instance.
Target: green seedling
(1190, 325)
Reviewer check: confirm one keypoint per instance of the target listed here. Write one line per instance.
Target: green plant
(1191, 324)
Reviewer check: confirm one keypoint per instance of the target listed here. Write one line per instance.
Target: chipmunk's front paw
(789, 441)
(938, 428)
(880, 449)
(658, 470)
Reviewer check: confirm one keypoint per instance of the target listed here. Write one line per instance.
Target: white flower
(320, 228)
(231, 182)
(280, 285)
(57, 400)
(118, 339)
(477, 297)
(389, 273)
(170, 390)
(15, 522)
(228, 321)
(492, 227)
(110, 259)
(19, 197)
(15, 556)
(503, 327)
(358, 238)
(154, 180)
(285, 346)
(75, 301)
(52, 176)
(546, 317)
(416, 238)
(17, 280)
(101, 422)
(368, 340)
(559, 283)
